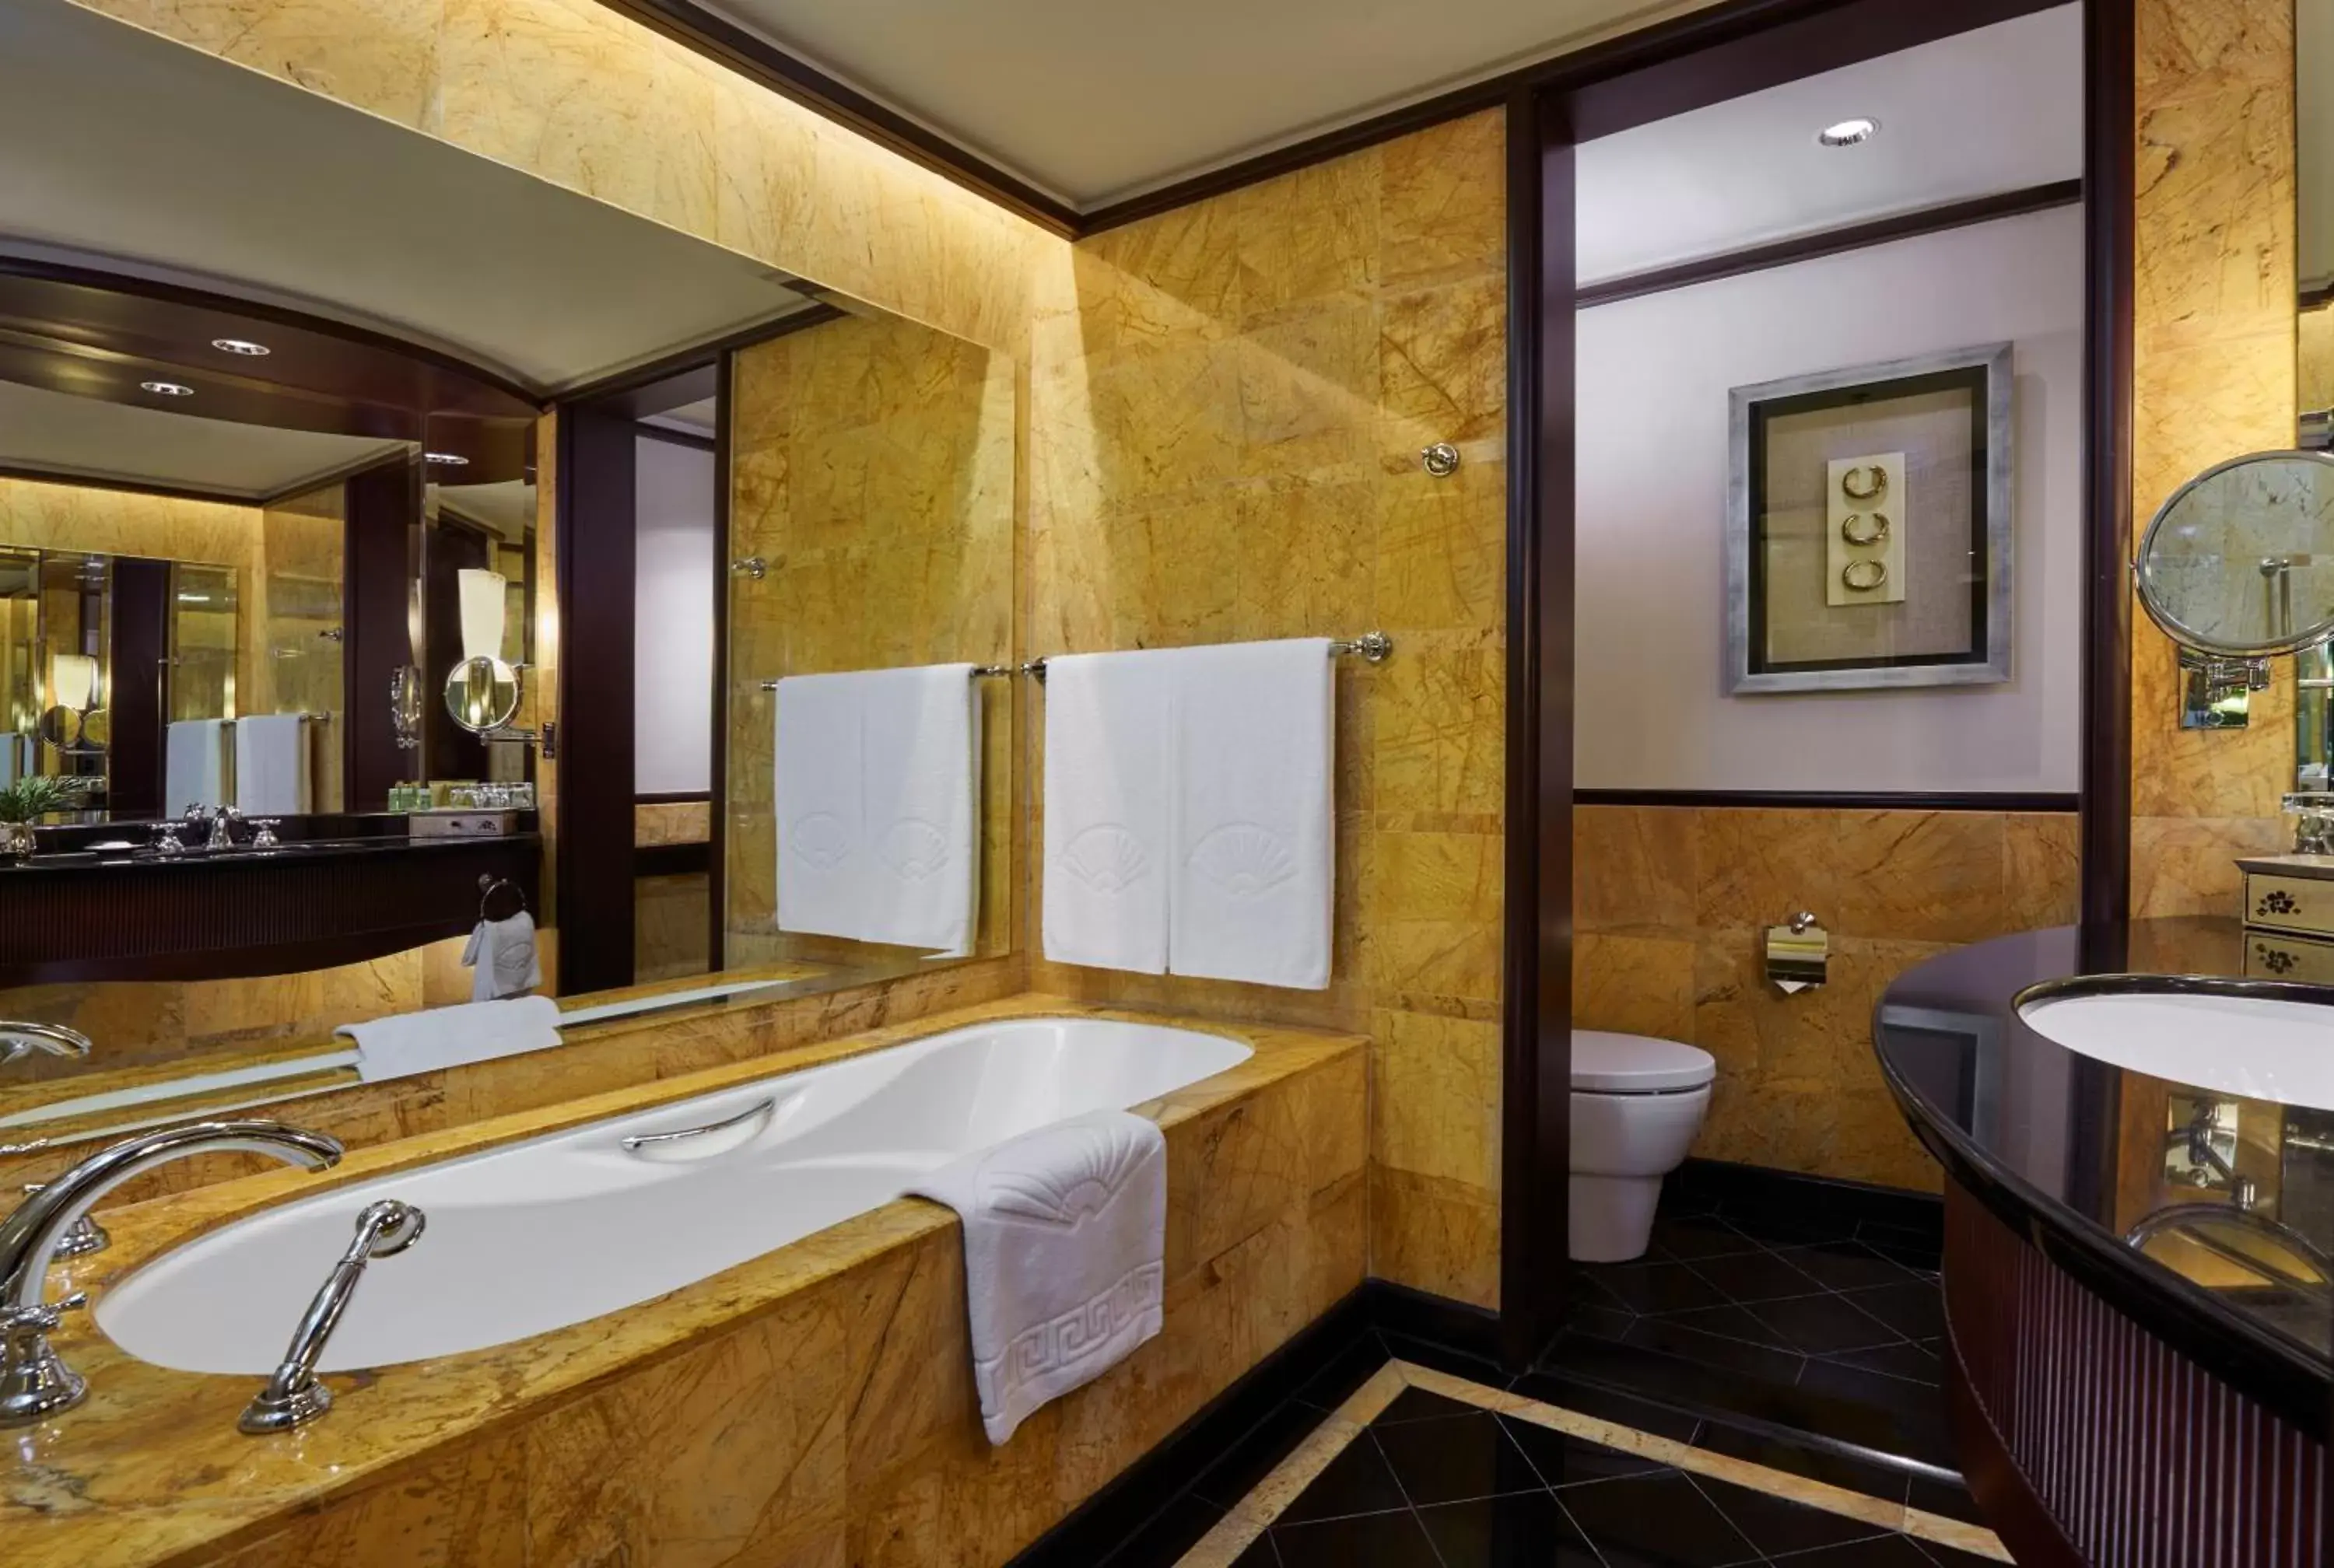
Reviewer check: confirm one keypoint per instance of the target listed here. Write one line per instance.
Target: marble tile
(2188, 865)
(1635, 867)
(1443, 363)
(1441, 551)
(1634, 985)
(1435, 1234)
(1309, 236)
(1434, 1097)
(1443, 203)
(382, 58)
(1440, 735)
(2042, 873)
(1756, 866)
(1920, 876)
(1436, 913)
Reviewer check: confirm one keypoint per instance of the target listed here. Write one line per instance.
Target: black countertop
(2072, 1151)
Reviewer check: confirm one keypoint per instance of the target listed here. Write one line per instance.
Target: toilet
(1637, 1103)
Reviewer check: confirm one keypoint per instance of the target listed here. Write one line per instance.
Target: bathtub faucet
(33, 1382)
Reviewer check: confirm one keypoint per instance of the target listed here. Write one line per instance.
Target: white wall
(1654, 378)
(672, 623)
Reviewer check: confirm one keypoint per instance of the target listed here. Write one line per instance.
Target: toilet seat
(1603, 1062)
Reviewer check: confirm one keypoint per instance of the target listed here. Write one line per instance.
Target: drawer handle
(662, 1145)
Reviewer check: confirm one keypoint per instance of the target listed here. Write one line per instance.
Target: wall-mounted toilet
(1636, 1104)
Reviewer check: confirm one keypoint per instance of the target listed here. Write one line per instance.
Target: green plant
(30, 797)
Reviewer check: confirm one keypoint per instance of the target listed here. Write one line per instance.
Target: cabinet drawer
(2273, 956)
(2289, 903)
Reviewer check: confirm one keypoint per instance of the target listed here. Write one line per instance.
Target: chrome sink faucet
(35, 1383)
(19, 1040)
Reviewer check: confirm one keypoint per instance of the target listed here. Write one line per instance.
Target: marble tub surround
(845, 1354)
(640, 1052)
(1227, 404)
(2212, 376)
(1668, 905)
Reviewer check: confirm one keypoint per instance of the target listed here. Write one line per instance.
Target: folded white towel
(1065, 1255)
(815, 793)
(452, 1036)
(271, 765)
(502, 957)
(1107, 772)
(1254, 840)
(920, 793)
(195, 767)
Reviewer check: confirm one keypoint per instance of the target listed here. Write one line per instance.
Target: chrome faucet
(293, 1396)
(35, 1383)
(222, 835)
(19, 1040)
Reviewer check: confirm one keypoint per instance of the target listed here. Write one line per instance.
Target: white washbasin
(2254, 1047)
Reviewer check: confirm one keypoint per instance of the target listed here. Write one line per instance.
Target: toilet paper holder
(1797, 954)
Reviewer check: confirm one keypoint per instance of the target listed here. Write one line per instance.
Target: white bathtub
(533, 1237)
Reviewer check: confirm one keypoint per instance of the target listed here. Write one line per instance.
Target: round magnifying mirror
(482, 694)
(97, 728)
(60, 727)
(2240, 562)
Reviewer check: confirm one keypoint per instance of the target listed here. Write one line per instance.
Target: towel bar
(1374, 647)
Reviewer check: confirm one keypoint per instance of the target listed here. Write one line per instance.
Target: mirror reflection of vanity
(452, 572)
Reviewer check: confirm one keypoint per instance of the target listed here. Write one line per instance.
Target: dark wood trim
(672, 797)
(1995, 1482)
(673, 438)
(332, 476)
(381, 523)
(1836, 801)
(2317, 298)
(256, 310)
(2110, 62)
(790, 76)
(717, 816)
(597, 563)
(1536, 1002)
(685, 860)
(1835, 242)
(1763, 1188)
(622, 391)
(35, 474)
(140, 631)
(1643, 76)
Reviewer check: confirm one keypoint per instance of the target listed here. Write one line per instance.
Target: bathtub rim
(153, 1427)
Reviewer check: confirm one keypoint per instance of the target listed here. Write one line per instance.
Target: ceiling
(1093, 102)
(1994, 109)
(148, 156)
(62, 434)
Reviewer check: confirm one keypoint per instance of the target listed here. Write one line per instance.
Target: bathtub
(536, 1235)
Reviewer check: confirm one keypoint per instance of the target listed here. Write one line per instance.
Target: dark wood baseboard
(693, 858)
(1762, 1187)
(1833, 800)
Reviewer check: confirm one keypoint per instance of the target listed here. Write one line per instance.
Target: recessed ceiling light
(1850, 132)
(240, 346)
(167, 388)
(456, 458)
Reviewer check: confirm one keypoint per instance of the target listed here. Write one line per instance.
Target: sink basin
(2235, 1041)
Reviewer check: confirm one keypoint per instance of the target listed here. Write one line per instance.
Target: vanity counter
(809, 1404)
(2071, 1153)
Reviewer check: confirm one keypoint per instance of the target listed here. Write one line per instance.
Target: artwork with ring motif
(1868, 540)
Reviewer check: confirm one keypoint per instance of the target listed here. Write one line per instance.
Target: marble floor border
(1254, 1513)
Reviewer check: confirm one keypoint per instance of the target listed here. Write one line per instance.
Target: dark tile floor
(1488, 1491)
(1815, 1323)
(1437, 1483)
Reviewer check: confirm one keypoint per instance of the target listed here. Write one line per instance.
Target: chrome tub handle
(747, 1123)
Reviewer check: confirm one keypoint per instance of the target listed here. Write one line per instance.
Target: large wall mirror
(288, 543)
(2314, 337)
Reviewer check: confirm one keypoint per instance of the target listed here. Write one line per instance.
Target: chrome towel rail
(1370, 646)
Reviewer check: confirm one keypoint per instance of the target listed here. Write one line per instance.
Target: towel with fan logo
(1253, 812)
(1065, 1255)
(877, 793)
(1106, 867)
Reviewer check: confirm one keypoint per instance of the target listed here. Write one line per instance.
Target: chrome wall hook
(1441, 459)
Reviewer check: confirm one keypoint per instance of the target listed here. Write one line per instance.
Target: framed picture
(1868, 534)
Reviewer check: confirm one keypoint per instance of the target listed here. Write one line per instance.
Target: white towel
(271, 765)
(1107, 762)
(815, 793)
(919, 789)
(876, 790)
(1065, 1255)
(452, 1036)
(12, 757)
(1254, 813)
(502, 958)
(195, 765)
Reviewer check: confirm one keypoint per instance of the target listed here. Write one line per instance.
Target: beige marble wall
(1670, 904)
(672, 823)
(301, 571)
(2213, 377)
(2316, 359)
(873, 467)
(1227, 405)
(672, 927)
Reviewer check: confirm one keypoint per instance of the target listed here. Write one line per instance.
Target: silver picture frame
(1993, 666)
